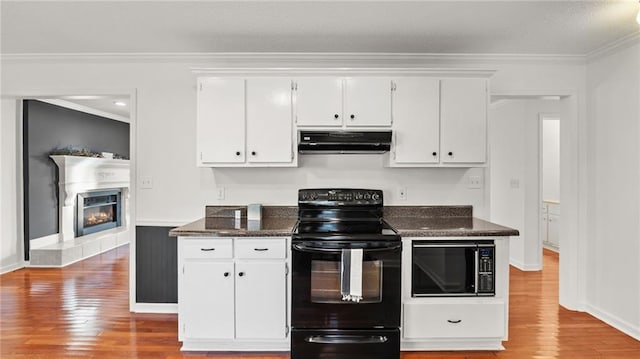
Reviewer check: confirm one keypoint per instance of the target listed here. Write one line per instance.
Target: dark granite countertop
(409, 221)
(447, 227)
(230, 227)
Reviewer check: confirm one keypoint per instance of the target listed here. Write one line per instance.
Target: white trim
(275, 58)
(615, 46)
(614, 321)
(169, 308)
(343, 71)
(37, 243)
(524, 267)
(13, 267)
(85, 109)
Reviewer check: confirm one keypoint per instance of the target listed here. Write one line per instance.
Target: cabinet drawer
(261, 248)
(460, 320)
(207, 248)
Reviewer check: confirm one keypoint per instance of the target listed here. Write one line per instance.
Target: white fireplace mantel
(79, 174)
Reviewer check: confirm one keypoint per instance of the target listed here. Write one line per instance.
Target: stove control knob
(375, 196)
(359, 196)
(367, 196)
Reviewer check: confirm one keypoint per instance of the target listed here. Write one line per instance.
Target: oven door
(317, 300)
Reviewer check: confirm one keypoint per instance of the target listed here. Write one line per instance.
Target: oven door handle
(346, 339)
(305, 248)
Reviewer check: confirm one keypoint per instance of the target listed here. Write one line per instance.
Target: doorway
(550, 181)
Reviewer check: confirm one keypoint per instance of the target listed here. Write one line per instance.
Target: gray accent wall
(47, 127)
(156, 265)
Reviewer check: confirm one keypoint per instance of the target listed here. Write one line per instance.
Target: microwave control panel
(486, 285)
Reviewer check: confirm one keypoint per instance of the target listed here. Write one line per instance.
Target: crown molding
(618, 45)
(296, 59)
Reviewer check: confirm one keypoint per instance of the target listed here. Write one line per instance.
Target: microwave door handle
(476, 264)
(305, 248)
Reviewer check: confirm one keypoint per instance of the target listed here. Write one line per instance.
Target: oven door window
(441, 270)
(326, 281)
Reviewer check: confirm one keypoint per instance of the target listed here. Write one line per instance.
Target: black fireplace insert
(98, 211)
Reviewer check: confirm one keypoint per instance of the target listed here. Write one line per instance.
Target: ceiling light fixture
(120, 103)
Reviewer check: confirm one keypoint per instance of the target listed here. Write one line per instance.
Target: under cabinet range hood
(318, 142)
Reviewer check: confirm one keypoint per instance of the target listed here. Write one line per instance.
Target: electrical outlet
(475, 182)
(515, 183)
(146, 182)
(402, 193)
(220, 192)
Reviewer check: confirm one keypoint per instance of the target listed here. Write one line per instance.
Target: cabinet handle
(336, 116)
(241, 274)
(237, 153)
(226, 274)
(260, 249)
(207, 249)
(454, 321)
(253, 153)
(450, 153)
(352, 116)
(434, 153)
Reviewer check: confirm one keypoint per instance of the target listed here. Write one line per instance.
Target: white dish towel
(351, 275)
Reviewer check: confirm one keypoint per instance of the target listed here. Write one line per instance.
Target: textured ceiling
(481, 27)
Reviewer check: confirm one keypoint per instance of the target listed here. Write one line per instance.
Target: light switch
(220, 193)
(146, 182)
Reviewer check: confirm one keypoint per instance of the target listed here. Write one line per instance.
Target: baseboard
(524, 267)
(171, 308)
(12, 267)
(612, 320)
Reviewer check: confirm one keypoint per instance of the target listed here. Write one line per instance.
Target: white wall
(550, 158)
(10, 246)
(613, 292)
(165, 131)
(515, 174)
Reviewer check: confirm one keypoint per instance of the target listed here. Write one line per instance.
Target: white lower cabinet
(460, 320)
(232, 293)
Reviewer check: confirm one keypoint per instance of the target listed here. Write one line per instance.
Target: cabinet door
(269, 124)
(220, 120)
(463, 120)
(416, 120)
(367, 101)
(261, 299)
(318, 101)
(206, 304)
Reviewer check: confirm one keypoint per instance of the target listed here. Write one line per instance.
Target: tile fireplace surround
(77, 175)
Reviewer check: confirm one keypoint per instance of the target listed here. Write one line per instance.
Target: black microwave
(453, 268)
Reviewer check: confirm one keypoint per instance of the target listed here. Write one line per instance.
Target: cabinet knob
(241, 274)
(237, 153)
(450, 153)
(352, 116)
(253, 153)
(226, 274)
(435, 153)
(336, 116)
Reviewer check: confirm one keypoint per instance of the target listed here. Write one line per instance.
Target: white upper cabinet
(343, 102)
(463, 120)
(318, 101)
(416, 121)
(269, 124)
(221, 120)
(245, 122)
(367, 101)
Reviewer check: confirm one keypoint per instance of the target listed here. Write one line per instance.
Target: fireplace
(98, 211)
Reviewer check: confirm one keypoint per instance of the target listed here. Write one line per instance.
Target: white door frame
(572, 279)
(59, 94)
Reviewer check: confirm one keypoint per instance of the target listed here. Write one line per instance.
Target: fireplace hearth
(98, 211)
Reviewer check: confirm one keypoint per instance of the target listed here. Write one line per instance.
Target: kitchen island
(234, 281)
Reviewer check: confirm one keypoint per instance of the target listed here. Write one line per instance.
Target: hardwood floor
(82, 311)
